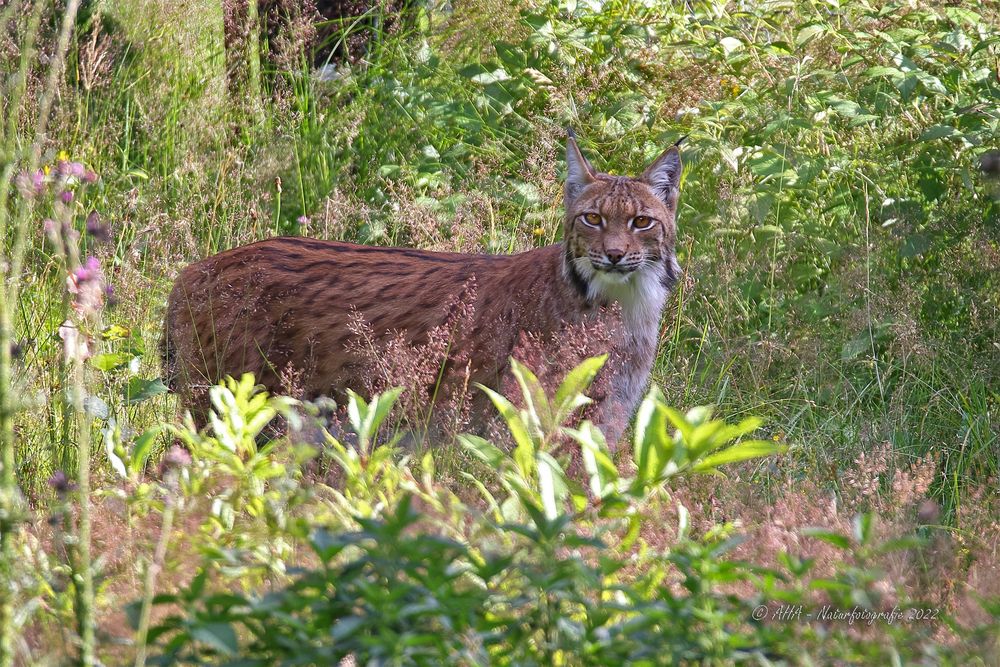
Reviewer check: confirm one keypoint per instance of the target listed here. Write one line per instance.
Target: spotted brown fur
(286, 303)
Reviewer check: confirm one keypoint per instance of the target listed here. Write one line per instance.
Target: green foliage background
(840, 245)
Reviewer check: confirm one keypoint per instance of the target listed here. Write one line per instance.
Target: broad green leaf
(601, 470)
(357, 411)
(115, 332)
(703, 437)
(862, 527)
(483, 449)
(142, 448)
(138, 390)
(744, 451)
(656, 446)
(730, 44)
(810, 31)
(110, 361)
(518, 429)
(937, 132)
(576, 383)
(836, 539)
(219, 636)
(685, 429)
(892, 72)
(548, 485)
(855, 347)
(383, 406)
(535, 402)
(345, 627)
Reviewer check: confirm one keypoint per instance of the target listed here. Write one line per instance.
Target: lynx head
(620, 230)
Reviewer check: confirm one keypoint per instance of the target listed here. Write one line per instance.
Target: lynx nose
(614, 255)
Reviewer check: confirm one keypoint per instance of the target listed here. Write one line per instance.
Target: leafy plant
(534, 478)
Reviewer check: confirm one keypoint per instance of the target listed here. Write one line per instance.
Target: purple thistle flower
(91, 270)
(66, 197)
(77, 169)
(97, 229)
(89, 177)
(30, 185)
(109, 295)
(60, 482)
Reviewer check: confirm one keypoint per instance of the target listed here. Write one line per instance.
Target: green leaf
(138, 390)
(937, 132)
(357, 411)
(535, 402)
(551, 488)
(892, 72)
(345, 627)
(862, 527)
(142, 448)
(846, 108)
(483, 449)
(219, 636)
(576, 382)
(110, 361)
(115, 332)
(855, 347)
(836, 539)
(328, 544)
(651, 455)
(810, 31)
(730, 44)
(601, 470)
(112, 441)
(744, 451)
(515, 424)
(383, 406)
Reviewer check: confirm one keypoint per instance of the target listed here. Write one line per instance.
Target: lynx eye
(592, 219)
(642, 222)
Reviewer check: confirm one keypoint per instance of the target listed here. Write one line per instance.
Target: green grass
(799, 287)
(841, 250)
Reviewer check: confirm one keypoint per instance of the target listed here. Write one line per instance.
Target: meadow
(812, 479)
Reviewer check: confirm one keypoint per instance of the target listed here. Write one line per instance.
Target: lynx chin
(289, 305)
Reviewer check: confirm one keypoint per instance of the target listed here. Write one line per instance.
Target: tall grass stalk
(14, 224)
(152, 570)
(11, 507)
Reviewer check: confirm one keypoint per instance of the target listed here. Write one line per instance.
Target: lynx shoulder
(289, 304)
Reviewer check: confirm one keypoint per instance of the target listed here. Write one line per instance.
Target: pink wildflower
(86, 283)
(30, 185)
(91, 270)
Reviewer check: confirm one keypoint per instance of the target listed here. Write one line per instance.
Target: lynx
(287, 303)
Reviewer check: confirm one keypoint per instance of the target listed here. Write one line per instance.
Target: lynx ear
(579, 172)
(664, 175)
